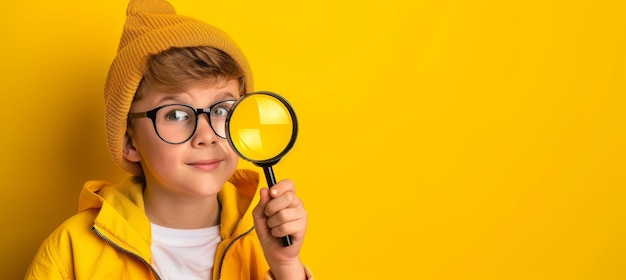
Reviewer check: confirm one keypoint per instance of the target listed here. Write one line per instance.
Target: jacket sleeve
(46, 264)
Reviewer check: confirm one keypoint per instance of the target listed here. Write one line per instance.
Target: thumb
(258, 214)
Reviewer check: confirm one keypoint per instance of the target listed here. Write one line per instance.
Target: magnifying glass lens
(261, 128)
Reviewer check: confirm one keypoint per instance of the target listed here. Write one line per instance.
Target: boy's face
(198, 167)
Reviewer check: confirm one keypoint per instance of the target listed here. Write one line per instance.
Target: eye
(176, 115)
(221, 110)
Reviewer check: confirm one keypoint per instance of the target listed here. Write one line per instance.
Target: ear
(130, 152)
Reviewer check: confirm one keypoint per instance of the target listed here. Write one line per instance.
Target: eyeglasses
(176, 123)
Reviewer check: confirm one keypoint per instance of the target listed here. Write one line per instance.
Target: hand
(279, 213)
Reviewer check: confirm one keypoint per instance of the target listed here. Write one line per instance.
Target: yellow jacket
(109, 237)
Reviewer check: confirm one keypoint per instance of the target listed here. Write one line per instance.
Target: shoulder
(74, 229)
(55, 255)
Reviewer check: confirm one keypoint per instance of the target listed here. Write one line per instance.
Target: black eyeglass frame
(151, 114)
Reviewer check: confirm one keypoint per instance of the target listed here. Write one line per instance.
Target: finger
(282, 187)
(285, 216)
(295, 229)
(284, 201)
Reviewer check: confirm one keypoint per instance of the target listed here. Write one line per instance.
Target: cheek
(150, 146)
(231, 153)
(233, 158)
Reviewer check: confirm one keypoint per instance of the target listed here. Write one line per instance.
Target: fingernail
(274, 191)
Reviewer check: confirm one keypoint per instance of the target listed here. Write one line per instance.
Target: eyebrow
(223, 95)
(219, 96)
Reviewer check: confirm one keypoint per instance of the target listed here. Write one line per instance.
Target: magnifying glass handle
(271, 181)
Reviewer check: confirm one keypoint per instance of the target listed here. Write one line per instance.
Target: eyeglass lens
(177, 123)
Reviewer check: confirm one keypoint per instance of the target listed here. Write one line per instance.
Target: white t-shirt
(184, 254)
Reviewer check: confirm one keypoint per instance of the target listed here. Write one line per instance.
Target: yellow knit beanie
(152, 26)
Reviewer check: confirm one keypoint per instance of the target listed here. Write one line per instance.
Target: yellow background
(439, 139)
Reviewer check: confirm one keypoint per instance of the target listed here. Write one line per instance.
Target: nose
(204, 134)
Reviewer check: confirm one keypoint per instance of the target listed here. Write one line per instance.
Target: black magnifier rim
(294, 134)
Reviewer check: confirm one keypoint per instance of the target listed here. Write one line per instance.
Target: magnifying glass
(262, 127)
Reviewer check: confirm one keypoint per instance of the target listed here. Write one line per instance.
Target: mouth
(207, 165)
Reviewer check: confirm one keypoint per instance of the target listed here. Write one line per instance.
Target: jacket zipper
(127, 252)
(219, 273)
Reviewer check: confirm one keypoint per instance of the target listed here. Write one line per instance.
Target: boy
(187, 213)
